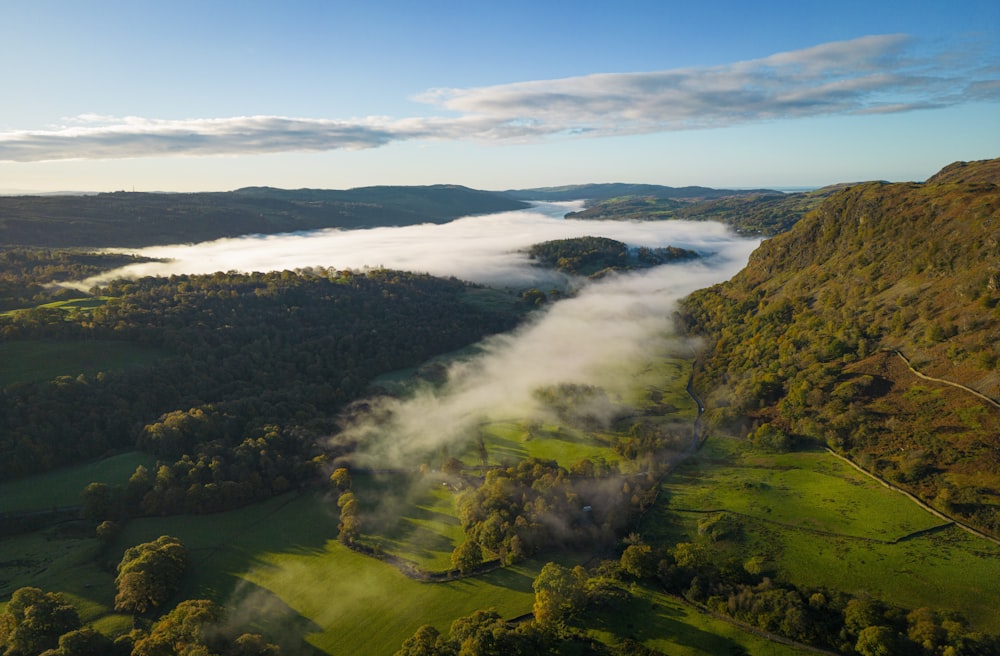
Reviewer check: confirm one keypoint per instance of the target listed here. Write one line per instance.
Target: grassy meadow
(819, 522)
(30, 361)
(62, 487)
(666, 624)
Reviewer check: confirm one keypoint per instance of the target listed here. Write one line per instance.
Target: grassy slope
(821, 523)
(664, 623)
(35, 360)
(63, 486)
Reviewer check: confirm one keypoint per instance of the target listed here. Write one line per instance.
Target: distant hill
(143, 219)
(750, 211)
(803, 340)
(605, 191)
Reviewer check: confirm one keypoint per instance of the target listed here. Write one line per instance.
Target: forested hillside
(759, 212)
(247, 368)
(144, 219)
(798, 340)
(620, 189)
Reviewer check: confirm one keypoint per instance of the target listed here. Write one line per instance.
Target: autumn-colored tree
(149, 574)
(34, 620)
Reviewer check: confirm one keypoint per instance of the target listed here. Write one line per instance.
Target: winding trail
(960, 386)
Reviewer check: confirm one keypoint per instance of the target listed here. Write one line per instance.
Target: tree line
(253, 367)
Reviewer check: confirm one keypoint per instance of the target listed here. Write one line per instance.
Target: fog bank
(602, 336)
(485, 249)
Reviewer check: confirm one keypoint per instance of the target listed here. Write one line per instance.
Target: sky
(216, 95)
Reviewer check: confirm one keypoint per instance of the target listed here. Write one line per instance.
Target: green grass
(36, 360)
(664, 623)
(62, 487)
(279, 568)
(85, 304)
(808, 490)
(361, 606)
(60, 558)
(509, 442)
(821, 523)
(410, 517)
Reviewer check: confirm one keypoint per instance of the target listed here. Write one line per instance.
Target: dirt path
(918, 374)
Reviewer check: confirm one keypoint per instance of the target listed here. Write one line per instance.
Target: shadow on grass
(644, 620)
(509, 578)
(257, 610)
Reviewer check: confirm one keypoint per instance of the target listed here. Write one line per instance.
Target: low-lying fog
(486, 249)
(601, 336)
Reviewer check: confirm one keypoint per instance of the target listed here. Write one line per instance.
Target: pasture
(819, 522)
(28, 361)
(63, 486)
(666, 624)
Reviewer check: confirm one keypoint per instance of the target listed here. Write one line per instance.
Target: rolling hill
(873, 327)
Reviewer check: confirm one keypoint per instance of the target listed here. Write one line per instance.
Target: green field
(35, 360)
(509, 442)
(666, 624)
(62, 487)
(410, 517)
(819, 522)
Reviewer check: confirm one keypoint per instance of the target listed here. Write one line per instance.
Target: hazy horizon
(189, 97)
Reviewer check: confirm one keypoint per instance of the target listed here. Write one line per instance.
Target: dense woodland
(260, 360)
(799, 336)
(595, 256)
(131, 219)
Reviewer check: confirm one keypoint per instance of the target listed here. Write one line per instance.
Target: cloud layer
(483, 249)
(872, 74)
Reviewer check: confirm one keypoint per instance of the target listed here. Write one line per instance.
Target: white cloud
(867, 75)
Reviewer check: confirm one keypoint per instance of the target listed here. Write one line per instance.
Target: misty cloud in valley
(601, 336)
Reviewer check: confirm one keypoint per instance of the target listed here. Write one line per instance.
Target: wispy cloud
(868, 75)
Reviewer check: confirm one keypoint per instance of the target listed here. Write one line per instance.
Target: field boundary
(819, 531)
(915, 499)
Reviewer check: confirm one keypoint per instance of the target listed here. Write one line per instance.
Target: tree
(184, 631)
(108, 531)
(639, 561)
(34, 620)
(350, 523)
(877, 641)
(560, 593)
(252, 644)
(149, 574)
(84, 642)
(101, 502)
(466, 556)
(427, 641)
(340, 479)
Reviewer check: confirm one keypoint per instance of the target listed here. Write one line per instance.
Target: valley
(484, 468)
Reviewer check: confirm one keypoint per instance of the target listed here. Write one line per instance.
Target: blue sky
(215, 95)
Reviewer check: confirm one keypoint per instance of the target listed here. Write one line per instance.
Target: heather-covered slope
(795, 338)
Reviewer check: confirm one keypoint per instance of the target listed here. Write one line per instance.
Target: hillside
(143, 219)
(604, 191)
(759, 212)
(796, 338)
